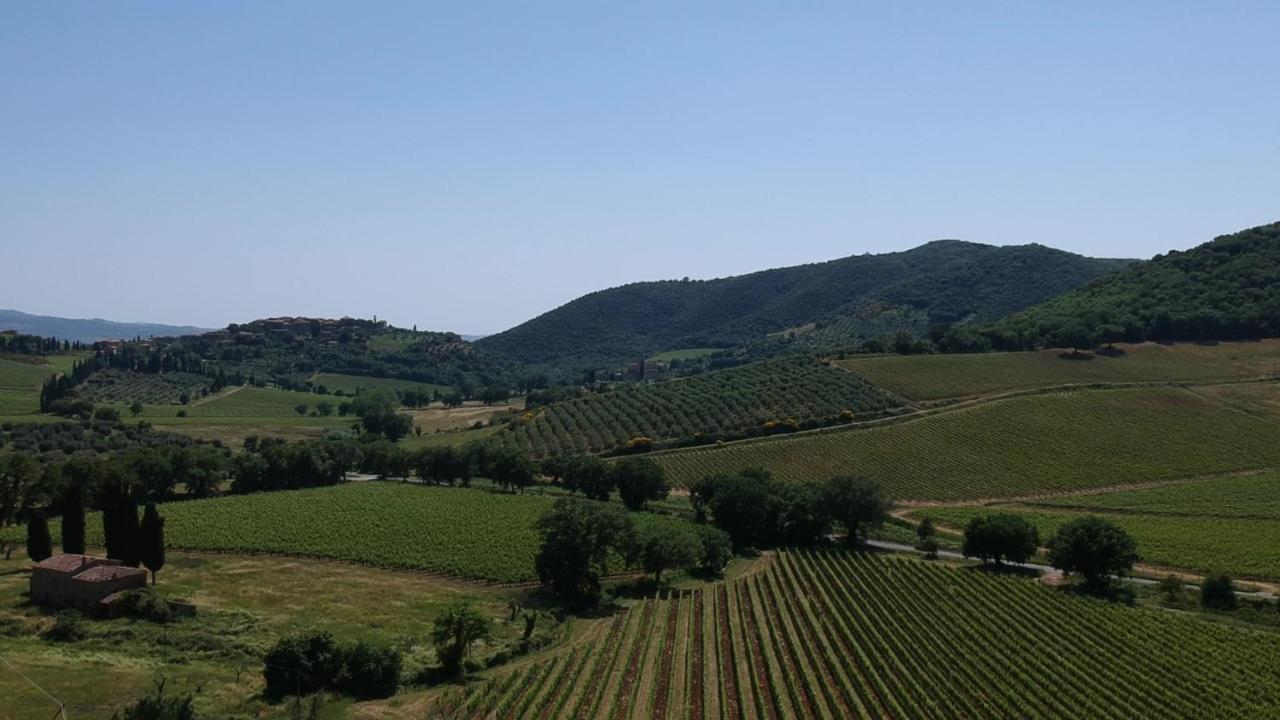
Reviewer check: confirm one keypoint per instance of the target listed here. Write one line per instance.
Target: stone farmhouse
(82, 582)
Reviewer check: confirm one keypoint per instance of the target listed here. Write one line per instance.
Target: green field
(245, 604)
(1059, 441)
(351, 383)
(1237, 546)
(459, 532)
(20, 382)
(935, 377)
(836, 635)
(1255, 496)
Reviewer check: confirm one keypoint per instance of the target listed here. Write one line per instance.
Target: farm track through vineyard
(833, 634)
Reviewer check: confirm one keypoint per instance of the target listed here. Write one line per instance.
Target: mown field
(351, 383)
(841, 635)
(936, 377)
(736, 402)
(459, 532)
(1060, 441)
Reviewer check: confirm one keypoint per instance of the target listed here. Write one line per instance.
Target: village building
(81, 581)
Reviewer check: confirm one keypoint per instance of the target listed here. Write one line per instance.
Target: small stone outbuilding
(81, 581)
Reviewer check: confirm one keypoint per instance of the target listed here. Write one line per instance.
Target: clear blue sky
(466, 166)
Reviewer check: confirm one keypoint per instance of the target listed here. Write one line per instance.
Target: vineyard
(1060, 441)
(757, 399)
(934, 377)
(458, 532)
(843, 635)
(118, 386)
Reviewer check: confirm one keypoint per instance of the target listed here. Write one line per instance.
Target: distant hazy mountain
(88, 330)
(943, 281)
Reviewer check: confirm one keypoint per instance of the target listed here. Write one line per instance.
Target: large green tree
(1001, 537)
(1095, 548)
(857, 502)
(39, 544)
(639, 480)
(577, 538)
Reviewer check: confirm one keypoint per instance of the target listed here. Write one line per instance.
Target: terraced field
(935, 377)
(842, 635)
(1061, 441)
(458, 532)
(738, 402)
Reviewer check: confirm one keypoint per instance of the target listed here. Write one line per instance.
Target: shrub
(68, 626)
(158, 707)
(1218, 592)
(301, 664)
(368, 671)
(145, 604)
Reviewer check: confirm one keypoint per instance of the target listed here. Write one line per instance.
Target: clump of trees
(1218, 592)
(314, 661)
(1000, 538)
(758, 511)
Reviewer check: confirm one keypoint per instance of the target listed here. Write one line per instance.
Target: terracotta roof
(67, 563)
(103, 573)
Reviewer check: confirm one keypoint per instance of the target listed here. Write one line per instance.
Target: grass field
(244, 603)
(838, 635)
(20, 382)
(351, 383)
(1053, 442)
(459, 532)
(1259, 398)
(238, 412)
(935, 377)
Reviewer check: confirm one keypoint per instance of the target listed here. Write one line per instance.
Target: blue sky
(466, 166)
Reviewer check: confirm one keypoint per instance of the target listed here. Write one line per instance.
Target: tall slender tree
(39, 544)
(151, 536)
(131, 551)
(73, 521)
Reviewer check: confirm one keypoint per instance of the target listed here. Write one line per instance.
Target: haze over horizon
(469, 168)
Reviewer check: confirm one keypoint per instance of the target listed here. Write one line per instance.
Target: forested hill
(947, 280)
(1225, 289)
(86, 330)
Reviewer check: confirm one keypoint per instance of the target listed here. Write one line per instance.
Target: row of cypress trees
(131, 542)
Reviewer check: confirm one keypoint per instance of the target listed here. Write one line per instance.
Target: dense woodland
(948, 281)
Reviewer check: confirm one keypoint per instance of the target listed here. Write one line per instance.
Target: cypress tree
(39, 544)
(73, 521)
(130, 551)
(151, 534)
(111, 522)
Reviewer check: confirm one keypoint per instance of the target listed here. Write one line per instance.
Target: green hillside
(949, 281)
(1225, 289)
(1059, 441)
(934, 377)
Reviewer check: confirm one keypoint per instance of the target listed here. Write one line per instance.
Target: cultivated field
(116, 386)
(351, 383)
(730, 403)
(459, 532)
(935, 377)
(841, 635)
(1060, 441)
